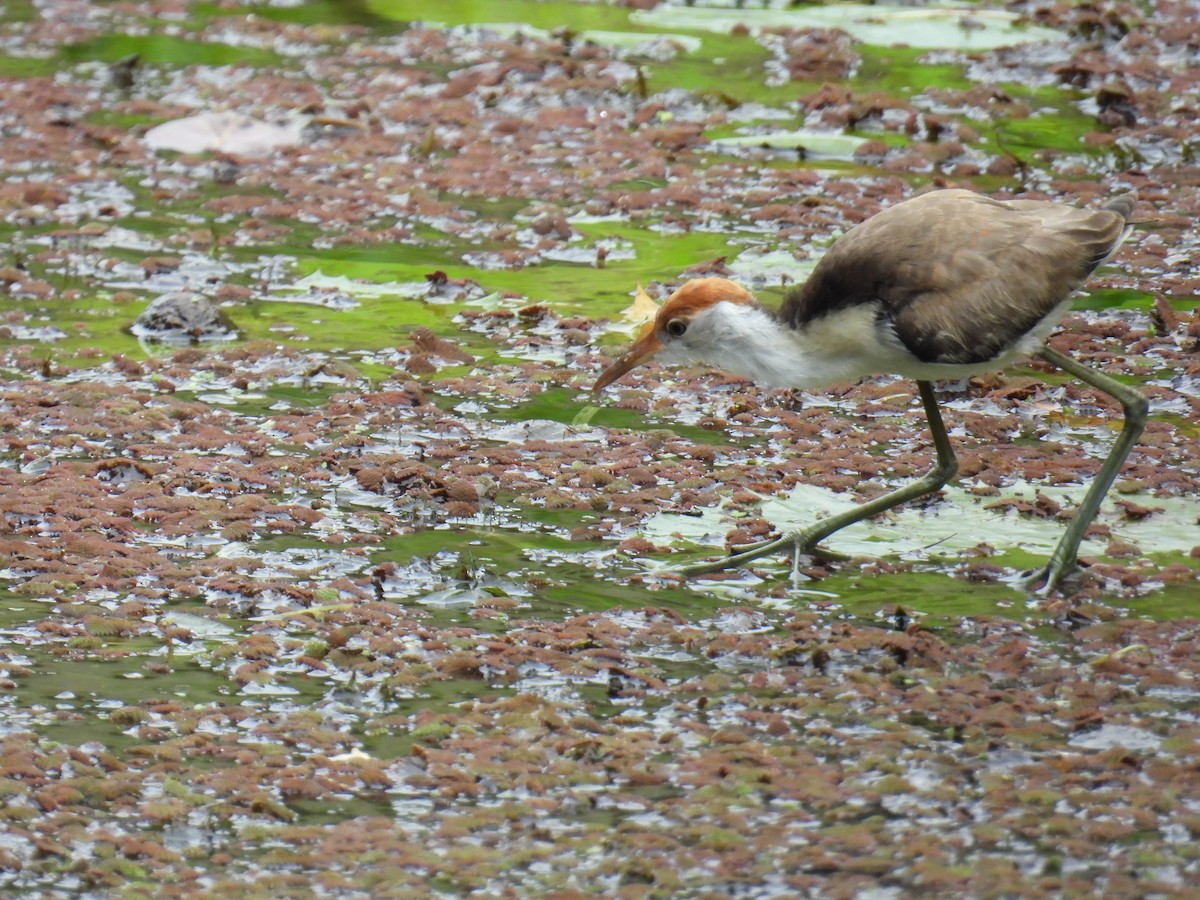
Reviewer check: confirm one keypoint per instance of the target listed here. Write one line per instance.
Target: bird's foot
(795, 542)
(756, 551)
(734, 549)
(1054, 576)
(816, 551)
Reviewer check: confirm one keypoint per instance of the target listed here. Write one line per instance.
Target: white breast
(843, 346)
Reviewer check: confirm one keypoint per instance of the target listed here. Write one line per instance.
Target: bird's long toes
(1039, 583)
(735, 549)
(793, 543)
(1053, 578)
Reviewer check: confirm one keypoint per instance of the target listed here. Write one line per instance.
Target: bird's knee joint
(1137, 407)
(946, 469)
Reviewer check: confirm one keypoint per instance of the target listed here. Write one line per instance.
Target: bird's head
(687, 329)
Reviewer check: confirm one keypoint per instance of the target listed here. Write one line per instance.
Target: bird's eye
(676, 327)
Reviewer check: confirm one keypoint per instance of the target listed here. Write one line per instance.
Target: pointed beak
(643, 350)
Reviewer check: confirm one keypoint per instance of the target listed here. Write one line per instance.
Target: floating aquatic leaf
(540, 430)
(755, 268)
(959, 523)
(660, 46)
(200, 626)
(1110, 736)
(224, 132)
(318, 283)
(45, 334)
(453, 598)
(821, 144)
(317, 612)
(964, 28)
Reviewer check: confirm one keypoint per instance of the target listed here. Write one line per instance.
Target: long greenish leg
(804, 538)
(1064, 558)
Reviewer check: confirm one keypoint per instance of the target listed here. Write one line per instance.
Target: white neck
(749, 341)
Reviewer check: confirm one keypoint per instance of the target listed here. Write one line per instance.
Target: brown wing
(959, 276)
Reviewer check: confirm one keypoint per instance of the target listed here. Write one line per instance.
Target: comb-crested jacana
(945, 285)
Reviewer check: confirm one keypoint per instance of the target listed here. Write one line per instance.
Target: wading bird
(942, 286)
